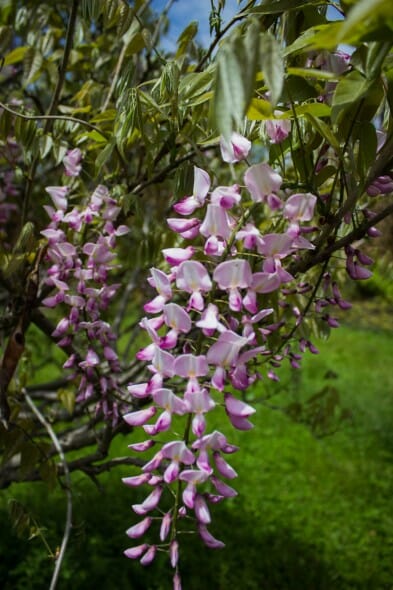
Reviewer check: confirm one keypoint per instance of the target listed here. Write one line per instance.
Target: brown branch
(11, 474)
(312, 258)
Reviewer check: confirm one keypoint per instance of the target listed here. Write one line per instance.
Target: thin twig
(313, 258)
(52, 117)
(213, 45)
(64, 64)
(53, 105)
(68, 523)
(157, 28)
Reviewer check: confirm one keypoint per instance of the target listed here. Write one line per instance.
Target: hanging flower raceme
(207, 333)
(79, 276)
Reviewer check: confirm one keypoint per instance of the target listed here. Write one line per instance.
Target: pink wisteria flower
(192, 277)
(188, 205)
(278, 129)
(72, 163)
(236, 149)
(233, 275)
(223, 354)
(176, 318)
(263, 183)
(162, 284)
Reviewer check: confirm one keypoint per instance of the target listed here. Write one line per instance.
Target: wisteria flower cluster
(208, 326)
(80, 276)
(9, 154)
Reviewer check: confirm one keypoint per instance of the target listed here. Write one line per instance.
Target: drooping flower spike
(213, 319)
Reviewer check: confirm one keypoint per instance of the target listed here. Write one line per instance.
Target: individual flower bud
(174, 553)
(136, 552)
(139, 529)
(208, 538)
(176, 582)
(149, 555)
(71, 162)
(165, 526)
(201, 510)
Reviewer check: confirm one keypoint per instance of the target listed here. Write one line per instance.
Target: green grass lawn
(314, 510)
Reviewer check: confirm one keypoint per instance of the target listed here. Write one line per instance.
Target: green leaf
(104, 156)
(185, 38)
(183, 181)
(129, 118)
(67, 398)
(108, 115)
(235, 78)
(317, 109)
(324, 130)
(32, 63)
(25, 131)
(68, 110)
(272, 65)
(59, 151)
(45, 145)
(125, 19)
(318, 37)
(228, 96)
(169, 81)
(129, 203)
(6, 124)
(277, 6)
(111, 12)
(94, 136)
(367, 147)
(16, 55)
(311, 73)
(91, 9)
(260, 110)
(12, 446)
(350, 89)
(194, 83)
(364, 16)
(324, 175)
(136, 43)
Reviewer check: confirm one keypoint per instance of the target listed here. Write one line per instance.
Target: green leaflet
(354, 87)
(185, 39)
(324, 130)
(367, 149)
(91, 9)
(318, 37)
(364, 14)
(234, 80)
(277, 6)
(272, 65)
(16, 55)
